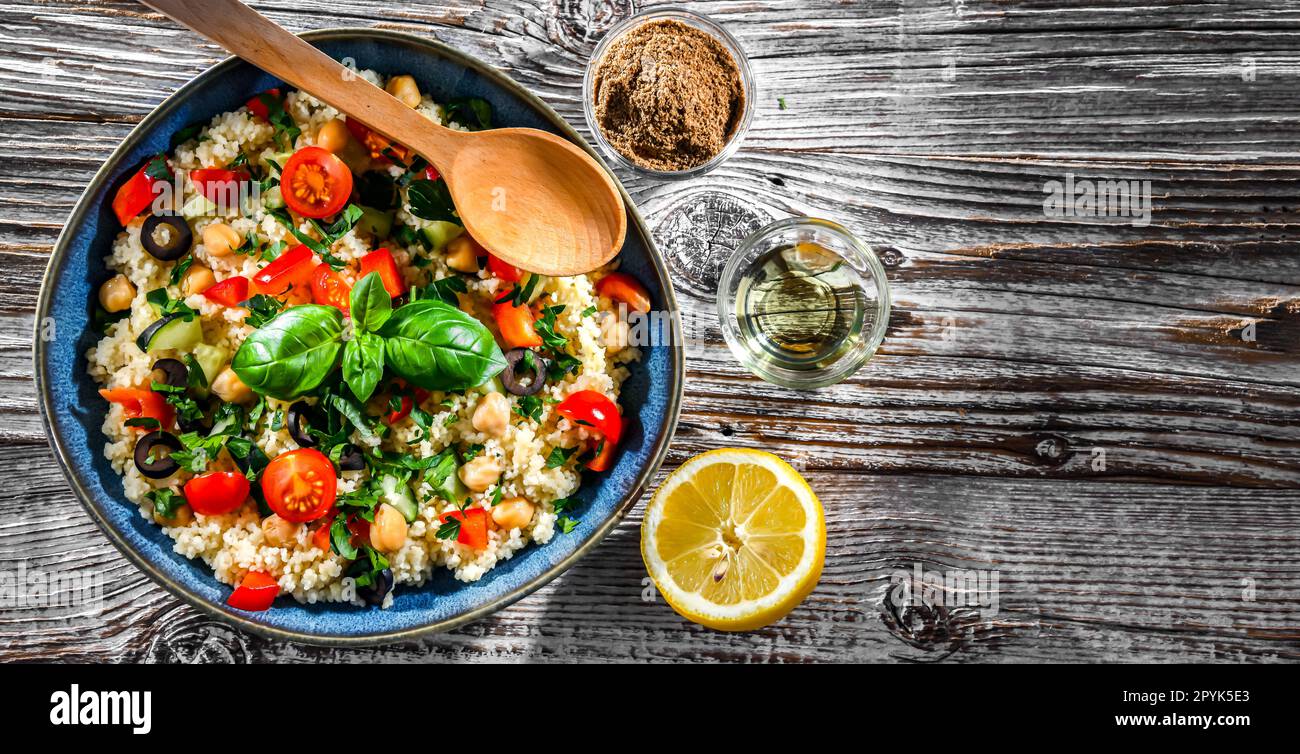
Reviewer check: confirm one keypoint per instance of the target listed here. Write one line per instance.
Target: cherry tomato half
(473, 527)
(256, 592)
(300, 485)
(216, 492)
(219, 186)
(137, 193)
(329, 288)
(142, 404)
(315, 183)
(592, 409)
(503, 270)
(229, 292)
(381, 261)
(516, 325)
(292, 269)
(620, 286)
(257, 107)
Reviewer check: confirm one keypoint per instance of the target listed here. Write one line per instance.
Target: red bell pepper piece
(620, 286)
(516, 325)
(137, 193)
(291, 269)
(142, 404)
(382, 261)
(604, 456)
(321, 537)
(503, 270)
(257, 107)
(256, 592)
(421, 395)
(219, 186)
(473, 527)
(229, 292)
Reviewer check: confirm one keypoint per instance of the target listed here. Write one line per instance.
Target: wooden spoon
(528, 196)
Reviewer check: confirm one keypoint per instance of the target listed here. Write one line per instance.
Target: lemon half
(734, 539)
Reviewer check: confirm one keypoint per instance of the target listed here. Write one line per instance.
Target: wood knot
(198, 641)
(1051, 449)
(914, 617)
(578, 25)
(889, 256)
(698, 234)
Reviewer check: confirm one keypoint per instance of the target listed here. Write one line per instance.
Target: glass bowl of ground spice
(668, 94)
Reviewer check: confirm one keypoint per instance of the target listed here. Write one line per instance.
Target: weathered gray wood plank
(1103, 414)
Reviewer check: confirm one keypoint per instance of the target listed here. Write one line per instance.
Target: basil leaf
(370, 304)
(438, 347)
(363, 364)
(431, 200)
(471, 112)
(292, 353)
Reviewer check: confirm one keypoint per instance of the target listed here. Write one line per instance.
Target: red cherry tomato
(257, 107)
(623, 287)
(431, 173)
(502, 270)
(516, 325)
(329, 288)
(137, 193)
(221, 187)
(380, 147)
(473, 527)
(382, 261)
(300, 485)
(315, 183)
(321, 537)
(592, 409)
(216, 492)
(292, 269)
(256, 592)
(229, 292)
(604, 456)
(142, 404)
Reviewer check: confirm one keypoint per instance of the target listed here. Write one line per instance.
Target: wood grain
(1103, 414)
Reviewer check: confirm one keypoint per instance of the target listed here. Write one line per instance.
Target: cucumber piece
(397, 493)
(493, 386)
(198, 206)
(438, 233)
(272, 198)
(211, 359)
(376, 223)
(445, 479)
(172, 332)
(536, 286)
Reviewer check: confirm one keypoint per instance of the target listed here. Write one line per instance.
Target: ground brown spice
(668, 96)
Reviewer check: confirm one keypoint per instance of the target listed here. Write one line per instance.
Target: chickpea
(182, 516)
(279, 532)
(333, 136)
(116, 294)
(388, 532)
(228, 387)
(220, 239)
(513, 513)
(492, 415)
(197, 279)
(614, 333)
(462, 254)
(480, 473)
(405, 89)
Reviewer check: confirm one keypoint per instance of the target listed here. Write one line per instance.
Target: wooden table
(1103, 414)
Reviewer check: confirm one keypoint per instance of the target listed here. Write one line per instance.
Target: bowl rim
(83, 205)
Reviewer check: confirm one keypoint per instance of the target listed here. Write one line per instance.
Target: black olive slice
(153, 454)
(166, 237)
(511, 378)
(351, 459)
(175, 373)
(374, 592)
(298, 422)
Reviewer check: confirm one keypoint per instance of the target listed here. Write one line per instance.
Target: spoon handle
(260, 41)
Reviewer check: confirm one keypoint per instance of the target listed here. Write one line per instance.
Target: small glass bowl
(702, 23)
(874, 287)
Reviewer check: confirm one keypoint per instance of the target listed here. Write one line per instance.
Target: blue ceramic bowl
(73, 411)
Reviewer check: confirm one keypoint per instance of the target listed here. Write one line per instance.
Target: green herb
(471, 452)
(590, 310)
(157, 169)
(102, 319)
(186, 133)
(165, 304)
(564, 504)
(545, 327)
(186, 407)
(781, 101)
(567, 524)
(436, 346)
(195, 378)
(363, 364)
(445, 290)
(261, 309)
(496, 496)
(530, 407)
(277, 420)
(560, 456)
(341, 537)
(165, 502)
(143, 422)
(365, 570)
(179, 270)
(519, 295)
(472, 112)
(370, 304)
(450, 529)
(561, 365)
(431, 200)
(197, 451)
(286, 129)
(292, 353)
(320, 248)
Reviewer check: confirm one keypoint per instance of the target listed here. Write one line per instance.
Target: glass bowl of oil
(803, 303)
